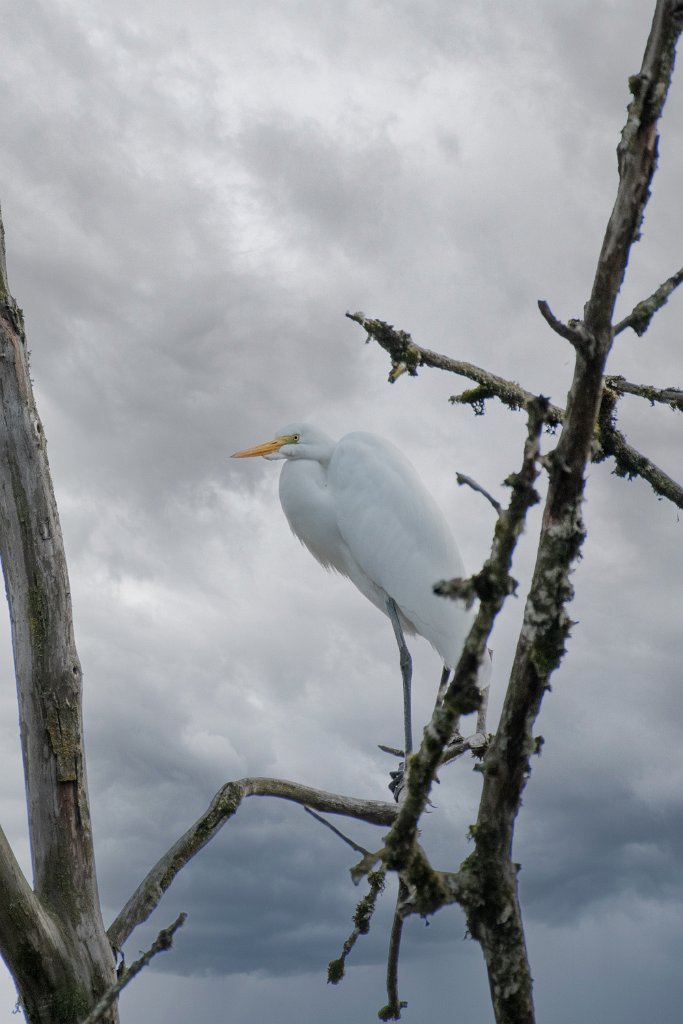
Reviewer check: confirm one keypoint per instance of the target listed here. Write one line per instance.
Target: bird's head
(296, 441)
(271, 449)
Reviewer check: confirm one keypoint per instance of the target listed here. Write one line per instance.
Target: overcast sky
(193, 196)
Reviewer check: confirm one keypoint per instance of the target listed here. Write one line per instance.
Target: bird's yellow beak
(262, 449)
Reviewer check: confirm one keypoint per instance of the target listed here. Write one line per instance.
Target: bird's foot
(398, 777)
(398, 781)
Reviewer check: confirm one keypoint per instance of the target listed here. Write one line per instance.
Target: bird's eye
(295, 438)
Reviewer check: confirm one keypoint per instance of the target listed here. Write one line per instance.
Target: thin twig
(328, 824)
(392, 1011)
(163, 942)
(402, 348)
(573, 332)
(361, 921)
(394, 751)
(673, 397)
(469, 482)
(630, 463)
(640, 316)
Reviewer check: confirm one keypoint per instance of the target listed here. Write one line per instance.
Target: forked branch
(486, 884)
(162, 943)
(607, 442)
(223, 806)
(640, 316)
(404, 352)
(462, 694)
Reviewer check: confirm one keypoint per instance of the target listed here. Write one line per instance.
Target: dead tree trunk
(51, 936)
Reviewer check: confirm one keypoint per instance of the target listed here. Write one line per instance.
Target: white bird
(360, 508)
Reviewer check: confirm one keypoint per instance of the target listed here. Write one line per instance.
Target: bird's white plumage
(360, 508)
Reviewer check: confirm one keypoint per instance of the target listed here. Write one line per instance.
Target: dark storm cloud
(591, 844)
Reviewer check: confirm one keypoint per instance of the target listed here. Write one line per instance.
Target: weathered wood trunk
(52, 936)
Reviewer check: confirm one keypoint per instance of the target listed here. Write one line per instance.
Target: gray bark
(52, 936)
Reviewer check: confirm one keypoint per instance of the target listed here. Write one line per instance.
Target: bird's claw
(398, 781)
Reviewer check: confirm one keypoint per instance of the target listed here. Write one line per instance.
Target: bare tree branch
(361, 925)
(573, 332)
(223, 806)
(673, 397)
(495, 918)
(163, 942)
(469, 482)
(394, 751)
(640, 316)
(403, 351)
(392, 1011)
(462, 694)
(607, 442)
(637, 160)
(630, 463)
(26, 931)
(337, 832)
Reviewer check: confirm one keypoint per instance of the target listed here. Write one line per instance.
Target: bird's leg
(406, 672)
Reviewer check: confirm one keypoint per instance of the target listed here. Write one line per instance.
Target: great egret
(360, 508)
